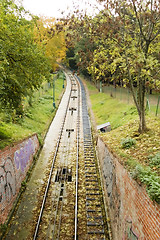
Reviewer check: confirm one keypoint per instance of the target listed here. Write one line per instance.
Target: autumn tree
(79, 39)
(126, 38)
(47, 34)
(23, 65)
(135, 30)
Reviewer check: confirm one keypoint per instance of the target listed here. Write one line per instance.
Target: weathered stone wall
(14, 164)
(133, 215)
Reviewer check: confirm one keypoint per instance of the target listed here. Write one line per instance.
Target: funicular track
(59, 217)
(97, 227)
(60, 190)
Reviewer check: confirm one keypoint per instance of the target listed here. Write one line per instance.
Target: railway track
(72, 206)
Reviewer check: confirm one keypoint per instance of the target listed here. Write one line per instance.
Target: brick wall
(133, 215)
(14, 164)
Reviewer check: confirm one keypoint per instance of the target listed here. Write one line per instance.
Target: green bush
(150, 179)
(128, 142)
(3, 228)
(4, 134)
(154, 160)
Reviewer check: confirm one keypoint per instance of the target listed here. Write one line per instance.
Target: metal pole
(54, 104)
(63, 81)
(157, 106)
(100, 86)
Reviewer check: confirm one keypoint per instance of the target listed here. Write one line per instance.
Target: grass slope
(141, 154)
(36, 118)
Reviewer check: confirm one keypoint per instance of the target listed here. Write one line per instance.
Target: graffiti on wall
(23, 155)
(7, 182)
(129, 233)
(108, 172)
(14, 163)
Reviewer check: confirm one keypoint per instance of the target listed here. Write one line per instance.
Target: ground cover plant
(139, 153)
(36, 118)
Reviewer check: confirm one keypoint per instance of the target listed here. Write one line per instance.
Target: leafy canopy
(23, 64)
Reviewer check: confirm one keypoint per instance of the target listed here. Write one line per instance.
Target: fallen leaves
(146, 144)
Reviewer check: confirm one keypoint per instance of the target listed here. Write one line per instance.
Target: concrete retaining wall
(14, 164)
(133, 215)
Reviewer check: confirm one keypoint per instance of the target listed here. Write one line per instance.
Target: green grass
(108, 109)
(124, 122)
(36, 119)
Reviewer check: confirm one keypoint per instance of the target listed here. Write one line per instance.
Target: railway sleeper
(86, 133)
(95, 223)
(93, 176)
(93, 194)
(96, 232)
(88, 168)
(89, 151)
(88, 145)
(90, 199)
(90, 165)
(94, 211)
(93, 201)
(95, 216)
(91, 180)
(93, 184)
(90, 158)
(73, 97)
(91, 204)
(92, 189)
(89, 162)
(88, 155)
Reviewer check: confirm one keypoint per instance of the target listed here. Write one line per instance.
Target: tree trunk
(142, 122)
(139, 99)
(141, 113)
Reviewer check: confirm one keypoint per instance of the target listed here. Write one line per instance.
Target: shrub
(150, 179)
(128, 142)
(154, 160)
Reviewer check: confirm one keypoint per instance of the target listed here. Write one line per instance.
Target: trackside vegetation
(36, 118)
(30, 48)
(138, 153)
(120, 46)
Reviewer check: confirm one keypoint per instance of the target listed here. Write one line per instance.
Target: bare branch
(140, 24)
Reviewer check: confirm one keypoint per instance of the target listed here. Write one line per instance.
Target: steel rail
(56, 188)
(78, 136)
(60, 217)
(76, 201)
(51, 170)
(56, 213)
(97, 227)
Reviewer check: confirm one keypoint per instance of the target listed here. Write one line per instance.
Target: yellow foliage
(54, 42)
